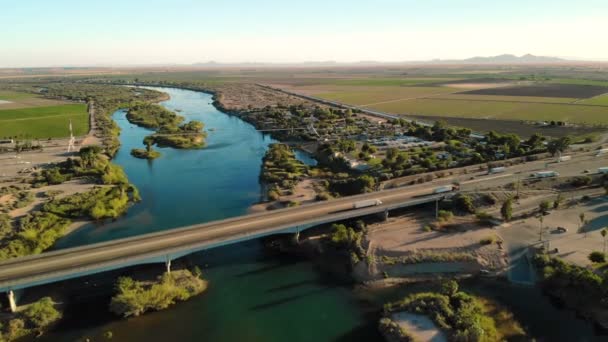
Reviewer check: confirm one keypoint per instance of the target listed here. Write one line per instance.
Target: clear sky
(120, 32)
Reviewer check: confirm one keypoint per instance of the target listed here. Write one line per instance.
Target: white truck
(544, 174)
(603, 170)
(601, 152)
(445, 188)
(366, 203)
(497, 169)
(563, 158)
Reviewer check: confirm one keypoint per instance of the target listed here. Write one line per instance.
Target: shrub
(488, 240)
(597, 257)
(41, 313)
(134, 298)
(581, 181)
(507, 210)
(445, 215)
(464, 203)
(484, 217)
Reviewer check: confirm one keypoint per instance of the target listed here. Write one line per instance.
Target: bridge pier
(437, 209)
(12, 302)
(384, 215)
(168, 265)
(296, 237)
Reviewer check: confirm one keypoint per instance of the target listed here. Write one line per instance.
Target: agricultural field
(601, 100)
(44, 122)
(366, 96)
(15, 100)
(590, 115)
(579, 91)
(505, 97)
(465, 96)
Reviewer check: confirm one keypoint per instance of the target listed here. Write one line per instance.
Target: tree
(558, 201)
(597, 257)
(541, 218)
(449, 288)
(604, 232)
(544, 207)
(88, 154)
(464, 203)
(558, 145)
(581, 218)
(42, 313)
(507, 210)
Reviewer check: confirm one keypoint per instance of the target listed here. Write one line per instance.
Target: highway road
(67, 263)
(63, 264)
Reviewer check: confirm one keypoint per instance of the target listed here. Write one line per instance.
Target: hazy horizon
(183, 32)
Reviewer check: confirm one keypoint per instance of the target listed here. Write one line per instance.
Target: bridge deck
(156, 247)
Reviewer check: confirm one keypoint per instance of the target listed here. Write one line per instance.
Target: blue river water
(252, 296)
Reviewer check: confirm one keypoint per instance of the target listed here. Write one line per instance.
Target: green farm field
(598, 100)
(362, 96)
(507, 98)
(44, 122)
(498, 110)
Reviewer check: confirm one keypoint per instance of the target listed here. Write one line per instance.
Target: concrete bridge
(162, 247)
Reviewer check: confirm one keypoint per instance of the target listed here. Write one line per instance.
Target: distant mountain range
(500, 59)
(504, 59)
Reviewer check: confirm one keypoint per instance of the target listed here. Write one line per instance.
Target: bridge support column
(383, 215)
(436, 209)
(296, 237)
(168, 265)
(12, 302)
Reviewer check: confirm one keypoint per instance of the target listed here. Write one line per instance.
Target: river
(252, 296)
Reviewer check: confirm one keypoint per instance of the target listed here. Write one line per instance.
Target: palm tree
(604, 232)
(581, 217)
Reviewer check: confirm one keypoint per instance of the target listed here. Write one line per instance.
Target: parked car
(561, 230)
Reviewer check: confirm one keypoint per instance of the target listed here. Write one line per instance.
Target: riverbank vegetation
(186, 136)
(92, 165)
(41, 228)
(14, 197)
(151, 115)
(393, 332)
(145, 153)
(30, 234)
(97, 204)
(170, 129)
(281, 170)
(34, 319)
(582, 289)
(134, 298)
(457, 313)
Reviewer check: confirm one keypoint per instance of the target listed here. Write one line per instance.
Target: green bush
(459, 314)
(597, 257)
(99, 203)
(36, 232)
(488, 240)
(134, 298)
(41, 313)
(444, 215)
(464, 203)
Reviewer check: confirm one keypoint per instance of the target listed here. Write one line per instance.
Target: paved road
(118, 253)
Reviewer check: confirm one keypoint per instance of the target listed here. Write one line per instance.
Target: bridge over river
(164, 246)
